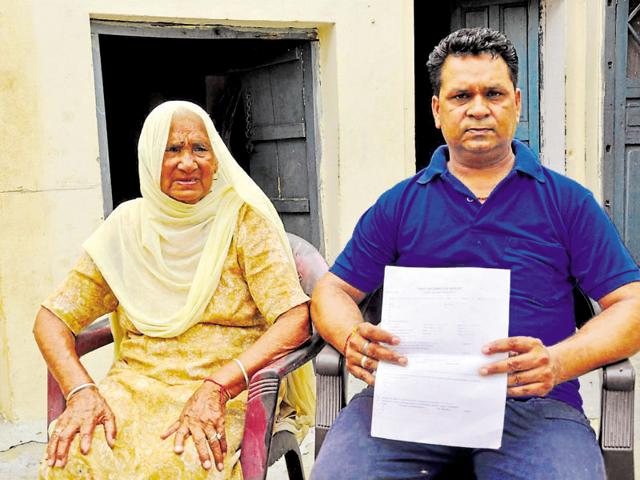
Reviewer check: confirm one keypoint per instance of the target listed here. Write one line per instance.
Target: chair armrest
(329, 362)
(261, 407)
(96, 335)
(290, 362)
(616, 428)
(619, 376)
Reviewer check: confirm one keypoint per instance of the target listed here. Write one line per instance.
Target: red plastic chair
(259, 448)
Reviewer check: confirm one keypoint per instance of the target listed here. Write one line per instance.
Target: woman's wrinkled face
(188, 164)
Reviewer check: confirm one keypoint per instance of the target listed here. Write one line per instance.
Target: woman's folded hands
(203, 418)
(85, 410)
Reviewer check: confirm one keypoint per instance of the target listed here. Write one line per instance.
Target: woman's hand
(364, 350)
(84, 411)
(203, 418)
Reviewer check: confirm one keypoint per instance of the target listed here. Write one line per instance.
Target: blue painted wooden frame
(621, 135)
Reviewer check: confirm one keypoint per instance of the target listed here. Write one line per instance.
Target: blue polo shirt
(547, 229)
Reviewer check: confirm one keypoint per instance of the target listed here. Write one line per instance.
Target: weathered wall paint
(50, 186)
(552, 87)
(584, 92)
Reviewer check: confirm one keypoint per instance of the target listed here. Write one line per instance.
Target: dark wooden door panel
(623, 167)
(632, 233)
(280, 126)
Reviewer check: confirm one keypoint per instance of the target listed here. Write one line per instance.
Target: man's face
(478, 107)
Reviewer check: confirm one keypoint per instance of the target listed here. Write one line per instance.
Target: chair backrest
(309, 263)
(371, 306)
(583, 306)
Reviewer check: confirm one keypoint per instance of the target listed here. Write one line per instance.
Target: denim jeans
(542, 439)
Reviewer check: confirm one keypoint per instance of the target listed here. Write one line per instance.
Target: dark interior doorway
(431, 24)
(258, 92)
(139, 73)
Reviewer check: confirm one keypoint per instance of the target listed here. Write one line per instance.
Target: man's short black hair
(472, 41)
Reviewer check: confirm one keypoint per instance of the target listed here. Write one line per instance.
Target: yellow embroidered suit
(149, 384)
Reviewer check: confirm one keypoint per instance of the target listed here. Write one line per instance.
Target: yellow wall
(584, 92)
(50, 185)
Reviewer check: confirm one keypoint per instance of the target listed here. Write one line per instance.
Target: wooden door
(622, 159)
(280, 132)
(518, 19)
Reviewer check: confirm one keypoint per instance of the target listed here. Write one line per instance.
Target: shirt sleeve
(272, 280)
(372, 246)
(599, 260)
(83, 296)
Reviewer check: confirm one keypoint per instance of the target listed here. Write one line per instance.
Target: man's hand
(85, 410)
(531, 368)
(364, 350)
(203, 418)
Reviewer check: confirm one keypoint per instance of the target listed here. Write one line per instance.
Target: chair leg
(321, 432)
(617, 420)
(284, 443)
(293, 459)
(619, 465)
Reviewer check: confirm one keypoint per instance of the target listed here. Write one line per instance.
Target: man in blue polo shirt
(486, 201)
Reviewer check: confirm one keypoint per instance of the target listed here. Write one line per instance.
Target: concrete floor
(21, 462)
(19, 458)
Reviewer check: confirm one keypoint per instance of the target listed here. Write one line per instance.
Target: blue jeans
(542, 439)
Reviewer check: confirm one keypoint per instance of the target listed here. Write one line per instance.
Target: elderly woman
(202, 289)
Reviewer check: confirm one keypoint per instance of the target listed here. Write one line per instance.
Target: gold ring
(365, 346)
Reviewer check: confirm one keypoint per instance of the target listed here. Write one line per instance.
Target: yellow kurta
(148, 386)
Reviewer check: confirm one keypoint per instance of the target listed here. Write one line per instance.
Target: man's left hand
(531, 368)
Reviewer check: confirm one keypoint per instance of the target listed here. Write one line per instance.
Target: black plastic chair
(618, 383)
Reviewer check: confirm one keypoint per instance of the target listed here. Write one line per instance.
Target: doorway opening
(259, 93)
(431, 24)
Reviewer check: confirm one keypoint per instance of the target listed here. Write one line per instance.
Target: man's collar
(437, 166)
(526, 162)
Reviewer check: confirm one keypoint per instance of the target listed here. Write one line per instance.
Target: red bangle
(223, 389)
(346, 342)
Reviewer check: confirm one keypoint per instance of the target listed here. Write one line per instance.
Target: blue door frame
(621, 156)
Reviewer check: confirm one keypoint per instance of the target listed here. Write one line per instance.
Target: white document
(443, 317)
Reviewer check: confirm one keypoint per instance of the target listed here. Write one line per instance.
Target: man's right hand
(85, 410)
(366, 347)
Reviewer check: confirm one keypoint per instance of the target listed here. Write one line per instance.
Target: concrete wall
(585, 92)
(50, 197)
(50, 185)
(572, 89)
